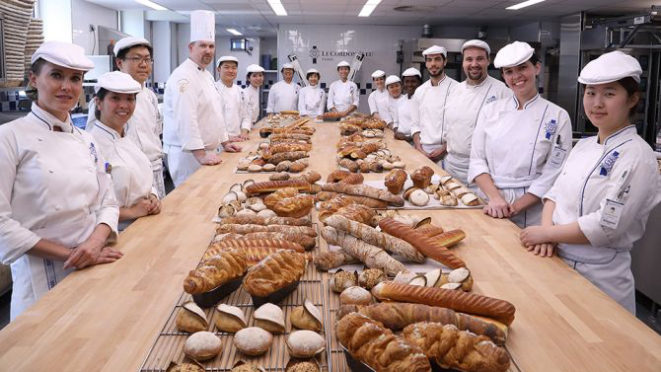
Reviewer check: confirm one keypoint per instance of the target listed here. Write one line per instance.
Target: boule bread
(230, 318)
(202, 346)
(305, 344)
(191, 318)
(355, 296)
(253, 341)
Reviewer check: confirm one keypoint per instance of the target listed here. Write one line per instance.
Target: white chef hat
(435, 49)
(254, 68)
(202, 26)
(63, 54)
(129, 42)
(117, 82)
(476, 43)
(610, 67)
(227, 58)
(392, 79)
(378, 74)
(513, 54)
(287, 65)
(412, 72)
(312, 71)
(343, 64)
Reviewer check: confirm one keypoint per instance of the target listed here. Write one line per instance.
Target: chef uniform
(192, 113)
(391, 105)
(236, 111)
(251, 94)
(431, 101)
(146, 124)
(462, 109)
(522, 150)
(131, 171)
(610, 188)
(53, 186)
(378, 100)
(311, 99)
(283, 96)
(407, 109)
(342, 95)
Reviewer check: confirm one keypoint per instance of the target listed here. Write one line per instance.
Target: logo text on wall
(329, 55)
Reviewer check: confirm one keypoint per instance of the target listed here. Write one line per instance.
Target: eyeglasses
(138, 60)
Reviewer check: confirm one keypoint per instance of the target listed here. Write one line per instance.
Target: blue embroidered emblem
(550, 128)
(93, 153)
(491, 99)
(607, 164)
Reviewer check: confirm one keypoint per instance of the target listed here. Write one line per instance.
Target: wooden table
(106, 318)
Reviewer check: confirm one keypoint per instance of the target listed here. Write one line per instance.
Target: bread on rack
(337, 175)
(421, 177)
(288, 147)
(371, 343)
(310, 176)
(291, 156)
(215, 271)
(274, 273)
(296, 206)
(395, 180)
(329, 260)
(229, 244)
(256, 220)
(364, 190)
(272, 186)
(358, 213)
(247, 229)
(273, 199)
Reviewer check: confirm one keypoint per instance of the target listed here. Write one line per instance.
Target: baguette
(430, 230)
(255, 243)
(450, 238)
(325, 261)
(272, 186)
(247, 229)
(265, 221)
(469, 303)
(364, 190)
(252, 254)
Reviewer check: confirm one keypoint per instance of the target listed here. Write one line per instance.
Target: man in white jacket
(283, 95)
(236, 112)
(193, 126)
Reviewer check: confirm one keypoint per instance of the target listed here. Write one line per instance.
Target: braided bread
(254, 243)
(295, 206)
(274, 272)
(215, 271)
(272, 186)
(252, 254)
(247, 229)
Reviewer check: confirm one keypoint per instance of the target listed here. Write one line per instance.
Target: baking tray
(434, 204)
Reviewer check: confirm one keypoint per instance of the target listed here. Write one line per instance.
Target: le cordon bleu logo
(329, 55)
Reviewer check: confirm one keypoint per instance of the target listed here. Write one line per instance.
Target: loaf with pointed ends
(365, 190)
(288, 147)
(325, 261)
(371, 343)
(229, 244)
(310, 176)
(349, 164)
(272, 186)
(202, 346)
(252, 254)
(421, 177)
(358, 213)
(191, 318)
(469, 303)
(297, 206)
(354, 179)
(256, 220)
(450, 347)
(247, 229)
(337, 175)
(215, 271)
(395, 180)
(274, 273)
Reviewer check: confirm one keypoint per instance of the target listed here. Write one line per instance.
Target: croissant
(296, 206)
(274, 272)
(349, 164)
(215, 271)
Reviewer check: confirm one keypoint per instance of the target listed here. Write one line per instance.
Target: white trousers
(181, 164)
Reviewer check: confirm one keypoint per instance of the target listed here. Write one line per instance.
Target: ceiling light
(277, 7)
(524, 4)
(233, 32)
(368, 8)
(151, 4)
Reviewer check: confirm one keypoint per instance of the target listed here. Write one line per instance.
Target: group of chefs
(65, 192)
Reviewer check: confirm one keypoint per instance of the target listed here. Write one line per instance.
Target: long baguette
(271, 186)
(247, 229)
(450, 238)
(264, 221)
(461, 301)
(365, 190)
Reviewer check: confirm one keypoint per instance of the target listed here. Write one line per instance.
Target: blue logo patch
(550, 128)
(491, 99)
(93, 153)
(607, 164)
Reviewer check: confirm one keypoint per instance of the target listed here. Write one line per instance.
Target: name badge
(557, 156)
(610, 216)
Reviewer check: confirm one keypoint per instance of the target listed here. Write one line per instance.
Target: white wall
(133, 23)
(84, 14)
(57, 20)
(162, 43)
(223, 48)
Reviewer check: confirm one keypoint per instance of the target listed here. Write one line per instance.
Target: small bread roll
(253, 341)
(202, 346)
(191, 318)
(305, 344)
(307, 317)
(270, 317)
(230, 318)
(355, 296)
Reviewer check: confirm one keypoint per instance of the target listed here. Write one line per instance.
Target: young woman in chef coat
(255, 79)
(343, 94)
(378, 99)
(394, 88)
(520, 143)
(129, 167)
(283, 95)
(312, 99)
(599, 205)
(235, 108)
(407, 109)
(57, 208)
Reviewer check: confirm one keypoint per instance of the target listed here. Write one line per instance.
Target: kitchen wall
(84, 14)
(223, 48)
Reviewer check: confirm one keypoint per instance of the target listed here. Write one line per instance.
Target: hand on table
(154, 204)
(86, 254)
(497, 208)
(210, 159)
(244, 136)
(231, 147)
(534, 235)
(542, 250)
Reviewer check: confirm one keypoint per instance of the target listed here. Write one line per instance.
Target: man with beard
(465, 103)
(193, 126)
(407, 110)
(235, 109)
(431, 98)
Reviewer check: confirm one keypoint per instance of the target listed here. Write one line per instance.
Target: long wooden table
(106, 318)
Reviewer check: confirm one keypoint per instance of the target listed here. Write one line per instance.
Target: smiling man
(235, 108)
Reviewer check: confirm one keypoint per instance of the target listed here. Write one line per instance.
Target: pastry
(395, 180)
(215, 271)
(191, 318)
(355, 296)
(337, 175)
(342, 280)
(369, 278)
(358, 213)
(202, 346)
(184, 367)
(280, 194)
(421, 177)
(308, 242)
(325, 261)
(305, 344)
(349, 164)
(270, 317)
(230, 318)
(253, 341)
(307, 317)
(297, 206)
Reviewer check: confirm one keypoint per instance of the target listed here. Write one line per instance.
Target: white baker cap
(227, 58)
(312, 71)
(117, 82)
(129, 42)
(513, 54)
(287, 65)
(476, 43)
(435, 49)
(610, 67)
(378, 74)
(412, 71)
(254, 68)
(344, 64)
(63, 54)
(392, 79)
(202, 26)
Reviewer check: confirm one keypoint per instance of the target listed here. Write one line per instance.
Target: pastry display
(305, 344)
(307, 317)
(191, 318)
(369, 278)
(355, 296)
(202, 346)
(215, 271)
(342, 280)
(275, 272)
(270, 317)
(230, 318)
(253, 341)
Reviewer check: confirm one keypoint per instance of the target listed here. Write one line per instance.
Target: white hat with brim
(129, 42)
(476, 43)
(610, 67)
(227, 59)
(412, 71)
(343, 64)
(513, 54)
(63, 54)
(254, 68)
(118, 82)
(435, 49)
(287, 65)
(312, 71)
(378, 74)
(392, 79)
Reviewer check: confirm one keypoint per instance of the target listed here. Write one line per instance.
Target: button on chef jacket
(624, 170)
(431, 102)
(378, 102)
(236, 112)
(282, 97)
(341, 95)
(311, 101)
(53, 186)
(514, 147)
(251, 94)
(407, 115)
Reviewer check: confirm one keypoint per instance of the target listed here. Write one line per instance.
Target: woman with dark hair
(57, 208)
(519, 144)
(312, 99)
(599, 205)
(254, 81)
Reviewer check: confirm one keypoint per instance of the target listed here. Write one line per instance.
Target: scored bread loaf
(461, 301)
(274, 272)
(296, 206)
(325, 261)
(215, 271)
(395, 180)
(256, 243)
(288, 147)
(252, 254)
(450, 238)
(430, 230)
(358, 213)
(354, 179)
(273, 199)
(365, 190)
(264, 221)
(290, 156)
(308, 242)
(272, 186)
(247, 229)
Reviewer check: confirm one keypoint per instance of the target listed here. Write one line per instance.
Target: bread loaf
(215, 271)
(364, 190)
(325, 261)
(308, 242)
(421, 177)
(252, 254)
(450, 238)
(247, 229)
(337, 175)
(358, 213)
(273, 199)
(354, 179)
(429, 230)
(256, 220)
(297, 206)
(272, 186)
(395, 180)
(289, 147)
(349, 164)
(274, 272)
(229, 244)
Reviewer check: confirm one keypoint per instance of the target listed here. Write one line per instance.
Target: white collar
(192, 65)
(51, 121)
(527, 104)
(624, 130)
(109, 131)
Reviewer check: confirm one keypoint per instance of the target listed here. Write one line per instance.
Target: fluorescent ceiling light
(151, 4)
(524, 4)
(277, 7)
(368, 8)
(233, 32)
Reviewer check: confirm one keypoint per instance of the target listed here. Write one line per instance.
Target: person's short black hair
(534, 58)
(101, 94)
(122, 53)
(307, 76)
(631, 86)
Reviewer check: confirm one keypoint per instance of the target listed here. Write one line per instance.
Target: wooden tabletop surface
(107, 317)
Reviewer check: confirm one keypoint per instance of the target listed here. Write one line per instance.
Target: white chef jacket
(378, 102)
(342, 95)
(282, 97)
(407, 115)
(53, 186)
(236, 111)
(515, 147)
(623, 170)
(251, 94)
(431, 102)
(311, 101)
(391, 109)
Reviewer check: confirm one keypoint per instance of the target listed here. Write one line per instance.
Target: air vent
(415, 9)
